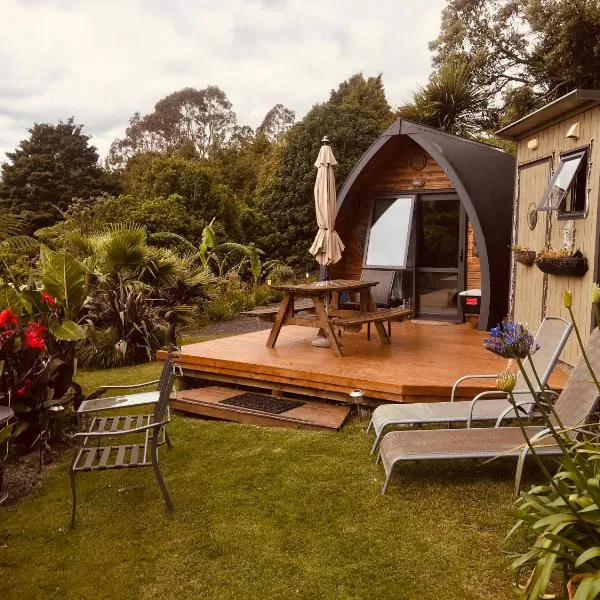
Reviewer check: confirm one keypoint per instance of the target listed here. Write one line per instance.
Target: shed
(556, 207)
(436, 208)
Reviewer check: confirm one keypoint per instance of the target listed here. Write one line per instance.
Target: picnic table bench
(268, 313)
(353, 318)
(325, 298)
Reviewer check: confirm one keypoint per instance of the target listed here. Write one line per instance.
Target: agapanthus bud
(595, 293)
(506, 382)
(568, 298)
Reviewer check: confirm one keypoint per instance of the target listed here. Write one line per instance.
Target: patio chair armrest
(510, 409)
(104, 388)
(478, 398)
(465, 377)
(100, 434)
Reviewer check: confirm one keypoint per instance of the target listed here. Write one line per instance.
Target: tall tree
(355, 114)
(202, 118)
(55, 165)
(276, 122)
(523, 52)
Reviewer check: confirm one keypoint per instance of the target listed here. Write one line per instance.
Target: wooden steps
(207, 401)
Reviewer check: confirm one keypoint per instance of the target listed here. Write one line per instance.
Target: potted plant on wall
(562, 262)
(523, 255)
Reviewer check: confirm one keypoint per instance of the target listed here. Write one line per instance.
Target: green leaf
(10, 298)
(65, 278)
(68, 331)
(590, 553)
(5, 432)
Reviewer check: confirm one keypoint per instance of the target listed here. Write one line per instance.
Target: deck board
(420, 364)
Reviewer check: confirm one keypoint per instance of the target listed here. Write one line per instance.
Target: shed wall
(535, 294)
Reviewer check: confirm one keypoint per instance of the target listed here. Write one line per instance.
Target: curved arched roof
(483, 177)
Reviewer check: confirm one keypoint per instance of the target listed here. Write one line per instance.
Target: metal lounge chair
(486, 406)
(91, 456)
(574, 406)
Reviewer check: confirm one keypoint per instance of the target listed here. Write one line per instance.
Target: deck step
(209, 402)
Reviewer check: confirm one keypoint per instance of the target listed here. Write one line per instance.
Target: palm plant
(450, 101)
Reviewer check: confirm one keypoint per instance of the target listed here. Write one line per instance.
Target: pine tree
(47, 171)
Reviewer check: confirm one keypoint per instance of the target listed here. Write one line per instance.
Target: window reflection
(390, 232)
(567, 189)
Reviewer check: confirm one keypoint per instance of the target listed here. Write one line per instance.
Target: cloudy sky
(102, 60)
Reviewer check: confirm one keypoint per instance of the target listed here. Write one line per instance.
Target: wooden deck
(421, 363)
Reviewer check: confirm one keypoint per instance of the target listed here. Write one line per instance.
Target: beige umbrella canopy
(327, 247)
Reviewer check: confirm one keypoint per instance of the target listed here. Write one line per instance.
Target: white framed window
(567, 190)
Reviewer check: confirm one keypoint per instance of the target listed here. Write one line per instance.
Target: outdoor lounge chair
(486, 406)
(574, 406)
(91, 456)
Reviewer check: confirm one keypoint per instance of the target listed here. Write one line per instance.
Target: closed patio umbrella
(327, 247)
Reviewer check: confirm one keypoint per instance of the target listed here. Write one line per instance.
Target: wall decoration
(417, 161)
(532, 216)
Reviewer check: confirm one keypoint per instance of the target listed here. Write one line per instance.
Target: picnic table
(325, 296)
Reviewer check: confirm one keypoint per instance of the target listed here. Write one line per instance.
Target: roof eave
(576, 100)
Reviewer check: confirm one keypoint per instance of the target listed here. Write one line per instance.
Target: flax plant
(561, 516)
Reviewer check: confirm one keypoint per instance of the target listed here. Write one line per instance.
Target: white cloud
(102, 60)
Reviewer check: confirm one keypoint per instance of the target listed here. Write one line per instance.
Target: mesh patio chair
(576, 403)
(140, 449)
(486, 406)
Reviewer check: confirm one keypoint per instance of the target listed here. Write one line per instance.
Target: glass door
(440, 251)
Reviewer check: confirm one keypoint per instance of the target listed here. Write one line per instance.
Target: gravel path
(235, 326)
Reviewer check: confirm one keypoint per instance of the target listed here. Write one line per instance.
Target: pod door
(440, 256)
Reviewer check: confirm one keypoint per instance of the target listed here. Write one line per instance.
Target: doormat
(262, 402)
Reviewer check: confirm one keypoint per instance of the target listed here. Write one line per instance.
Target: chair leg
(160, 480)
(389, 328)
(73, 497)
(388, 476)
(378, 436)
(168, 440)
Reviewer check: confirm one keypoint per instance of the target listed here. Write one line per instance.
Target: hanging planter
(525, 257)
(558, 262)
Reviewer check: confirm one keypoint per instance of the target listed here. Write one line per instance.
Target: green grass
(261, 513)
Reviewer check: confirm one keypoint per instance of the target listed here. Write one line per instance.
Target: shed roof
(483, 177)
(576, 101)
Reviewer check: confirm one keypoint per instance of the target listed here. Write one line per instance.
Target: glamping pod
(556, 210)
(435, 209)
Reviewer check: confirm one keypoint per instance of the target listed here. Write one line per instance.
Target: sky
(102, 60)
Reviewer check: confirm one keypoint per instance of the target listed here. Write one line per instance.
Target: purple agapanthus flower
(510, 340)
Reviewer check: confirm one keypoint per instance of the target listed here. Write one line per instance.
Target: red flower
(25, 388)
(48, 299)
(7, 317)
(33, 336)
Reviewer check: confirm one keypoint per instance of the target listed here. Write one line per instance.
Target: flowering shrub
(510, 340)
(37, 350)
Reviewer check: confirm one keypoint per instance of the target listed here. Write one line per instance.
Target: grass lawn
(259, 514)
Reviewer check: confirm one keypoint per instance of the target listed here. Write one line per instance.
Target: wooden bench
(268, 313)
(376, 316)
(355, 320)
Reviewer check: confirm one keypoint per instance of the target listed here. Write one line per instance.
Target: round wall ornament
(417, 161)
(532, 215)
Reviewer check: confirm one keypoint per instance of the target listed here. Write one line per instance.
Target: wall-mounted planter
(569, 266)
(525, 257)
